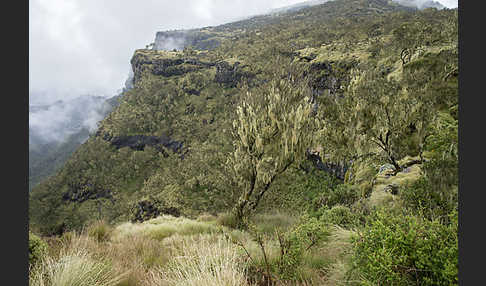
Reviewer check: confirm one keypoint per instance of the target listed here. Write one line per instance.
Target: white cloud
(449, 3)
(84, 46)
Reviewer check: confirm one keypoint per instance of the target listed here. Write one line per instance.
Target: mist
(53, 123)
(84, 46)
(421, 4)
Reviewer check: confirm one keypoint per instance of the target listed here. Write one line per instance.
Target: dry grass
(164, 226)
(75, 265)
(203, 260)
(193, 254)
(268, 222)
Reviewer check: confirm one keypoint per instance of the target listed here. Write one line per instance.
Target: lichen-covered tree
(376, 117)
(273, 128)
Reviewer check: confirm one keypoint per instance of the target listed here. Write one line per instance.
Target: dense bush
(295, 242)
(37, 249)
(342, 194)
(434, 195)
(339, 215)
(399, 249)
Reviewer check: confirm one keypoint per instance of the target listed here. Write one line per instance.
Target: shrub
(435, 194)
(342, 194)
(37, 249)
(339, 215)
(398, 249)
(295, 242)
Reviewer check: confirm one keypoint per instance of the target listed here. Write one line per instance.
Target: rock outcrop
(336, 169)
(138, 142)
(161, 63)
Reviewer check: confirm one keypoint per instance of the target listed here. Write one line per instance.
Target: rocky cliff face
(164, 63)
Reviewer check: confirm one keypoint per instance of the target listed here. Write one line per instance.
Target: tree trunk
(239, 209)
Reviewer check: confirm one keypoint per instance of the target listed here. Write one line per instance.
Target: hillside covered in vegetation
(316, 146)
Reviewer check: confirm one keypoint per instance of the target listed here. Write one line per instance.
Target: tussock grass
(195, 253)
(268, 222)
(74, 266)
(100, 230)
(165, 226)
(203, 260)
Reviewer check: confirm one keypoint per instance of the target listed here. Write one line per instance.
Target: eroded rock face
(138, 142)
(336, 169)
(160, 64)
(329, 76)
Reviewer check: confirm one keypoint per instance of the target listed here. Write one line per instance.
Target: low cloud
(55, 122)
(85, 46)
(422, 4)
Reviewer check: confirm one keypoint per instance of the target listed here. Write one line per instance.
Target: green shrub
(339, 215)
(342, 194)
(37, 249)
(295, 242)
(399, 249)
(434, 195)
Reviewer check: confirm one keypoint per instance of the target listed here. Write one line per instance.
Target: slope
(164, 149)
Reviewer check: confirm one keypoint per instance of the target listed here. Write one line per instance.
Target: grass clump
(203, 260)
(165, 226)
(100, 231)
(76, 268)
(268, 222)
(74, 265)
(229, 220)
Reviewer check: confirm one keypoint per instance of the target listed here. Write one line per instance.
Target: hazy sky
(84, 46)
